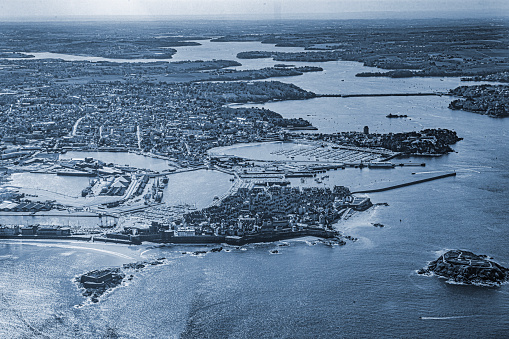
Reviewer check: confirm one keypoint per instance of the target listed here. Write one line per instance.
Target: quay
(453, 174)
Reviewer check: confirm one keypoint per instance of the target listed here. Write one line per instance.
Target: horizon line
(372, 15)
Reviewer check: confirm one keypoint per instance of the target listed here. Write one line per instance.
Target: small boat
(396, 116)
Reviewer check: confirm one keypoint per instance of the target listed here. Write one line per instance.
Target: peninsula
(491, 100)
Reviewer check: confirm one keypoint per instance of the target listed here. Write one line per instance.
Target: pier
(453, 174)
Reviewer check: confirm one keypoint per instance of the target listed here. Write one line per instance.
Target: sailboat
(108, 224)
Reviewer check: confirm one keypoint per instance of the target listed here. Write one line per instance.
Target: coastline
(52, 214)
(195, 240)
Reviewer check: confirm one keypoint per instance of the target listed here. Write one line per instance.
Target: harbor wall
(407, 183)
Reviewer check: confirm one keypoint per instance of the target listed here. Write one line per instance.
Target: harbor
(300, 286)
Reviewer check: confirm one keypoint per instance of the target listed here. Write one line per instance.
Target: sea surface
(367, 288)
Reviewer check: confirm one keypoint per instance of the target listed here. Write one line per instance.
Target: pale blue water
(122, 158)
(364, 289)
(196, 188)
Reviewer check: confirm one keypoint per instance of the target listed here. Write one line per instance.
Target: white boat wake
(449, 318)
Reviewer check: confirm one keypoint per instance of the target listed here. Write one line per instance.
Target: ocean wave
(69, 246)
(66, 254)
(473, 283)
(454, 282)
(425, 274)
(8, 257)
(142, 253)
(441, 252)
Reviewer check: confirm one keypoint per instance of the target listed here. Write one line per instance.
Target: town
(181, 112)
(483, 99)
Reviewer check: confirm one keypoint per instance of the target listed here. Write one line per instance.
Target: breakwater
(406, 184)
(379, 95)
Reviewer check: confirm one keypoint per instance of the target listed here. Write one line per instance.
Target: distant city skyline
(256, 9)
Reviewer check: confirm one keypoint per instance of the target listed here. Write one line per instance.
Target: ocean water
(121, 158)
(197, 188)
(367, 288)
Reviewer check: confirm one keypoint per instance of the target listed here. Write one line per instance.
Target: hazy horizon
(51, 10)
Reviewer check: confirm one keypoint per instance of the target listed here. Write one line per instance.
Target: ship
(380, 164)
(396, 116)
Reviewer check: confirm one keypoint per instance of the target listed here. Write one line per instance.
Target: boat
(107, 225)
(75, 173)
(380, 164)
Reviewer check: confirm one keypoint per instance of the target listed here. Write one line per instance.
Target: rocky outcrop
(96, 283)
(465, 267)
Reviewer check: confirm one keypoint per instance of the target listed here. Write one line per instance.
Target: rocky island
(467, 268)
(96, 283)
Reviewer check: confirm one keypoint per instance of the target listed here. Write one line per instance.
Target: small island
(96, 283)
(464, 267)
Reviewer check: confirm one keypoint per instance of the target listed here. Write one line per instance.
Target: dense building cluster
(181, 120)
(268, 208)
(428, 141)
(492, 100)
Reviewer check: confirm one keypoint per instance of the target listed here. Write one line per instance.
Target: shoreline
(52, 214)
(188, 240)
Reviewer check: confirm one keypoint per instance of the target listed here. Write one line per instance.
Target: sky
(262, 9)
